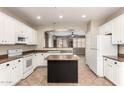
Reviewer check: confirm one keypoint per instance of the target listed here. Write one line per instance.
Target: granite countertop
(119, 58)
(62, 57)
(5, 58)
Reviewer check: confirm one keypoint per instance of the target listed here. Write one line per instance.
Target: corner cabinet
(113, 71)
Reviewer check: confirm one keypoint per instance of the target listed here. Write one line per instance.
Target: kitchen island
(62, 69)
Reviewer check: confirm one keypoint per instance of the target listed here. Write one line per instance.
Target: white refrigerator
(100, 45)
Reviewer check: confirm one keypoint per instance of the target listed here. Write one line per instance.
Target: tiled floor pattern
(86, 77)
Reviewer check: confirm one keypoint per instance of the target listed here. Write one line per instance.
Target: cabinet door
(17, 71)
(35, 61)
(117, 30)
(121, 32)
(105, 66)
(108, 27)
(1, 28)
(29, 36)
(108, 70)
(5, 77)
(35, 37)
(9, 30)
(116, 73)
(40, 60)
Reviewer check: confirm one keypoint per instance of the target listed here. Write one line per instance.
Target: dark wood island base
(62, 69)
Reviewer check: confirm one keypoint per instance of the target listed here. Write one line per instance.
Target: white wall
(43, 29)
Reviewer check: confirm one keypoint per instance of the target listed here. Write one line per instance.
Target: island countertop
(62, 57)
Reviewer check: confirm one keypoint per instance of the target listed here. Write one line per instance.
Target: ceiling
(49, 15)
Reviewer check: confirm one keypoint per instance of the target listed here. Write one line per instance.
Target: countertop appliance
(100, 45)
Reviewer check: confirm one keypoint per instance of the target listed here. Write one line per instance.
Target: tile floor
(86, 77)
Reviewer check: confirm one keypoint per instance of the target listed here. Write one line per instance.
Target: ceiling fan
(72, 35)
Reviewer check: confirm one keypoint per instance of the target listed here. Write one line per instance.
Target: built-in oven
(27, 65)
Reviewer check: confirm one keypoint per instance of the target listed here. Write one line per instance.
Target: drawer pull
(115, 62)
(7, 64)
(19, 60)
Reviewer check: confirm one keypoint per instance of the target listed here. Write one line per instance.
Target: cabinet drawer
(10, 63)
(17, 61)
(108, 60)
(7, 64)
(111, 61)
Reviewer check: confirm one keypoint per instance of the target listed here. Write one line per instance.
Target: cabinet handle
(7, 64)
(115, 63)
(19, 60)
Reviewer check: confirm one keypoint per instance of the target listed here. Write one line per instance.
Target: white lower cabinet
(116, 76)
(108, 69)
(17, 71)
(38, 60)
(113, 71)
(11, 72)
(5, 75)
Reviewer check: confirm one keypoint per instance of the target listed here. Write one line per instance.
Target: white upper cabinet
(118, 30)
(106, 28)
(7, 29)
(1, 28)
(31, 36)
(11, 28)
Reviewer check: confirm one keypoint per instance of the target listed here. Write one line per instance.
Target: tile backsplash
(4, 48)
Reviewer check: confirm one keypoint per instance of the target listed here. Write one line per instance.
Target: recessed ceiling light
(38, 17)
(84, 16)
(60, 16)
